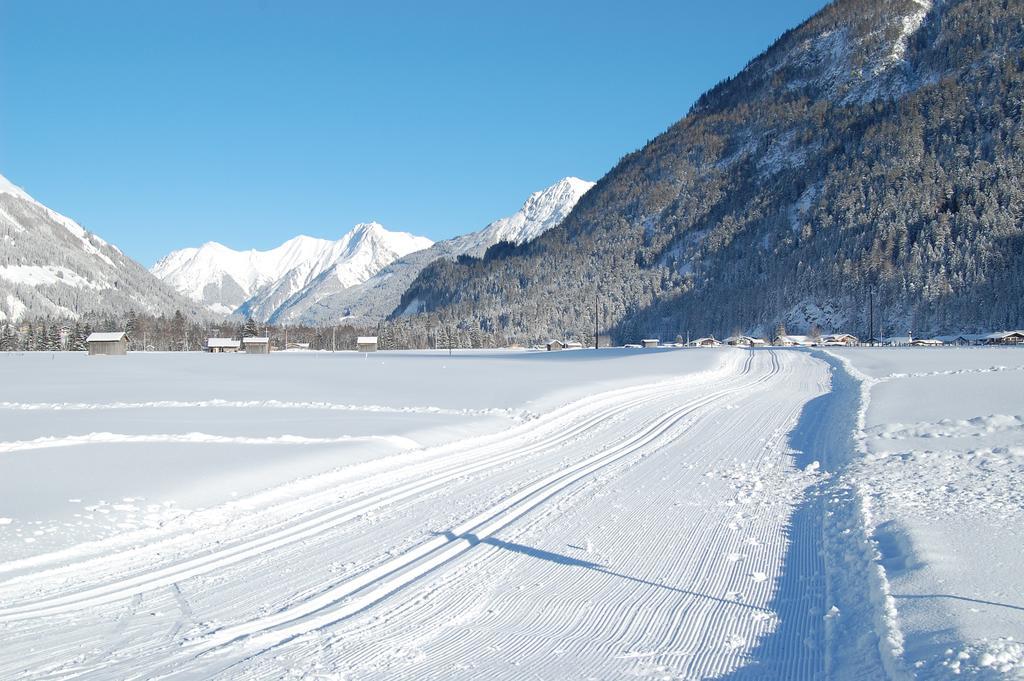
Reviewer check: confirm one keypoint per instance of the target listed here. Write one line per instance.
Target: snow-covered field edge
(861, 625)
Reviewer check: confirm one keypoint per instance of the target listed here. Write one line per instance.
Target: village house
(107, 343)
(791, 341)
(926, 343)
(256, 345)
(706, 342)
(223, 345)
(366, 344)
(649, 343)
(553, 344)
(1005, 338)
(747, 341)
(834, 339)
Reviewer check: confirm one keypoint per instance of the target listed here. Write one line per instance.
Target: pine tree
(8, 340)
(251, 328)
(129, 327)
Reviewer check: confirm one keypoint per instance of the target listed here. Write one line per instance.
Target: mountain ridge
(379, 296)
(51, 266)
(254, 282)
(875, 148)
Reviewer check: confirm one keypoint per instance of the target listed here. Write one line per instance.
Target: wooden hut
(256, 345)
(107, 343)
(649, 343)
(366, 343)
(223, 345)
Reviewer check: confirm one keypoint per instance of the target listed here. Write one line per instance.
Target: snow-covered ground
(942, 478)
(585, 514)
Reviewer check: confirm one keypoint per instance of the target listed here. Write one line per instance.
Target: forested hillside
(52, 268)
(877, 147)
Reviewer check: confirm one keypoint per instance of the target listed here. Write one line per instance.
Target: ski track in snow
(196, 438)
(259, 404)
(661, 530)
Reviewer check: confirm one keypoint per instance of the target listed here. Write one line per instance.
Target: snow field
(665, 410)
(940, 476)
(728, 514)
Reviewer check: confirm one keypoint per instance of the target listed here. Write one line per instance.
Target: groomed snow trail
(647, 531)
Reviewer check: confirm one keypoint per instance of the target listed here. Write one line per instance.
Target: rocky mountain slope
(257, 283)
(50, 266)
(876, 148)
(327, 299)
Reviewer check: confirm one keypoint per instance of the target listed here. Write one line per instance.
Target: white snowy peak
(542, 211)
(223, 279)
(52, 266)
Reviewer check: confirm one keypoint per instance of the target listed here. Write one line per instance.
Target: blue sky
(161, 124)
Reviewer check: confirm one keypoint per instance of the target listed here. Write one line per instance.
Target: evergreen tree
(251, 328)
(129, 327)
(8, 341)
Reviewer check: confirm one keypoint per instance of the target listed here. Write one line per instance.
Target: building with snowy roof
(366, 344)
(791, 341)
(748, 341)
(1005, 338)
(223, 345)
(256, 345)
(107, 343)
(839, 339)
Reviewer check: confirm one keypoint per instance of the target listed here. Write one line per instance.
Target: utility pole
(334, 345)
(597, 345)
(871, 316)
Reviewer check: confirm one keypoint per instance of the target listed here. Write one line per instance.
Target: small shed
(223, 345)
(256, 345)
(649, 343)
(574, 345)
(366, 343)
(554, 345)
(107, 343)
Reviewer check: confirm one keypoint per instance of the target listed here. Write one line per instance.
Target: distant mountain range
(50, 266)
(379, 296)
(361, 277)
(874, 151)
(257, 283)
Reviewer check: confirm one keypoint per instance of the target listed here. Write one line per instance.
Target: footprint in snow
(734, 596)
(734, 641)
(735, 557)
(758, 576)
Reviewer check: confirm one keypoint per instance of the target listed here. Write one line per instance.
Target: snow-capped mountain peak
(54, 267)
(543, 210)
(225, 279)
(327, 299)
